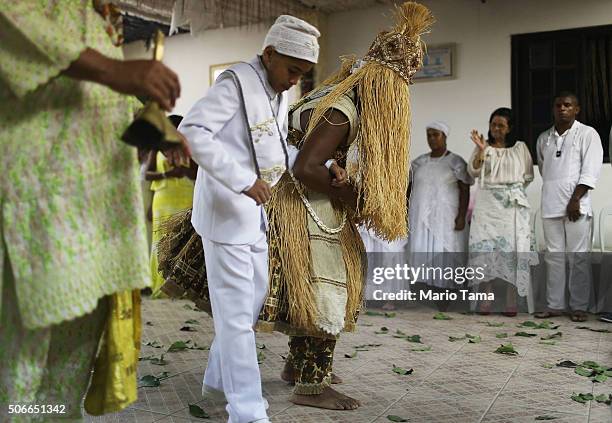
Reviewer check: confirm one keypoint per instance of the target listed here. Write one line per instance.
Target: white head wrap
(440, 126)
(294, 37)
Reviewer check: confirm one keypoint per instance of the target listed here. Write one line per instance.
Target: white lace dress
(500, 234)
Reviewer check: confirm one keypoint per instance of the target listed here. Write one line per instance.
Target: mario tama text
(411, 275)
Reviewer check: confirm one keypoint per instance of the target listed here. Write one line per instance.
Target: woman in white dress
(439, 199)
(500, 239)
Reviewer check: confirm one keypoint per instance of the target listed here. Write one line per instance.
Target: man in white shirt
(570, 156)
(607, 315)
(237, 134)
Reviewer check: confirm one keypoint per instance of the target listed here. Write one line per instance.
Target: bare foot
(288, 375)
(329, 399)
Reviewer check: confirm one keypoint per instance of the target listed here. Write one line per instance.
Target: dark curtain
(596, 97)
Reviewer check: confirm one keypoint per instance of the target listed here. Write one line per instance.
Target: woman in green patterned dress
(71, 226)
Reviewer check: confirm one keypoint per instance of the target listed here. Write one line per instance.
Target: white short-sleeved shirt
(565, 161)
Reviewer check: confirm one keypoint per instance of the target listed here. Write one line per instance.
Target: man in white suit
(237, 134)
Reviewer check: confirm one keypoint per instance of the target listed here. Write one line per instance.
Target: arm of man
(205, 119)
(591, 153)
(310, 167)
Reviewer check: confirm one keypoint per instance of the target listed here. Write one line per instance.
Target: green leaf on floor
(188, 329)
(260, 357)
(199, 347)
(383, 331)
(192, 322)
(494, 324)
(424, 348)
(567, 363)
(394, 418)
(591, 364)
(158, 361)
(534, 325)
(548, 365)
(351, 355)
(501, 335)
(456, 338)
(525, 334)
(594, 330)
(414, 338)
(178, 346)
(374, 313)
(196, 411)
(582, 371)
(260, 346)
(148, 381)
(402, 371)
(507, 349)
(555, 335)
(473, 339)
(365, 347)
(390, 314)
(603, 398)
(154, 344)
(600, 378)
(546, 417)
(442, 316)
(582, 398)
(548, 342)
(187, 307)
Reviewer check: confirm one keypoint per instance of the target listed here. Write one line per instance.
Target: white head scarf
(439, 126)
(294, 37)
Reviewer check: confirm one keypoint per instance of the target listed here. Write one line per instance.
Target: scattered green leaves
(501, 335)
(390, 314)
(188, 329)
(534, 325)
(546, 417)
(158, 361)
(493, 324)
(154, 344)
(582, 371)
(603, 398)
(567, 364)
(151, 381)
(525, 334)
(260, 357)
(373, 313)
(507, 349)
(600, 378)
(555, 335)
(423, 348)
(456, 338)
(582, 398)
(402, 371)
(185, 345)
(192, 322)
(353, 355)
(548, 365)
(196, 411)
(395, 418)
(473, 339)
(414, 338)
(366, 347)
(442, 316)
(594, 330)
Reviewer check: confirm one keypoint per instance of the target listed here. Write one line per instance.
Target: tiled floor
(454, 382)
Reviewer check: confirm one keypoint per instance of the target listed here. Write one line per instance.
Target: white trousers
(238, 284)
(564, 237)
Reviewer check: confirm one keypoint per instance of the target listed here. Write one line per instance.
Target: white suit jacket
(216, 131)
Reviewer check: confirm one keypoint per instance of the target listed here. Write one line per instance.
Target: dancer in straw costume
(361, 117)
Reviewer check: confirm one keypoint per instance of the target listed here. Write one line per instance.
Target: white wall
(482, 33)
(191, 57)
